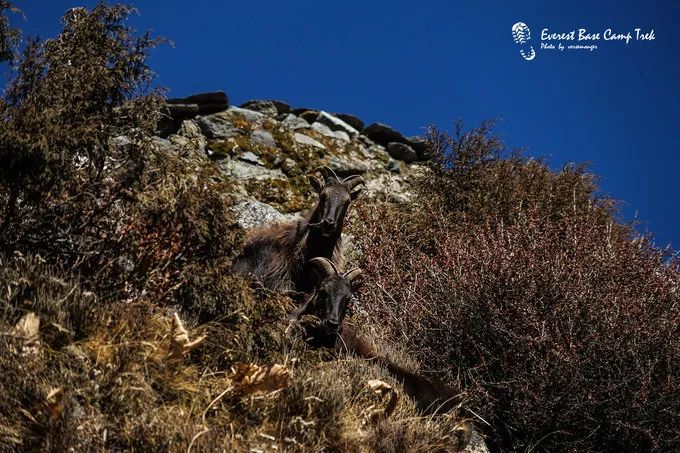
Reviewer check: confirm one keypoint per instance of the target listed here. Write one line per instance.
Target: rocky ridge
(267, 148)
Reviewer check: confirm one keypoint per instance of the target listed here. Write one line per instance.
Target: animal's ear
(352, 277)
(352, 183)
(316, 184)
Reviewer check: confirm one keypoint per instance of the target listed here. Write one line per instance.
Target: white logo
(521, 34)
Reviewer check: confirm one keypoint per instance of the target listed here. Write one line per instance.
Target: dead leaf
(28, 328)
(179, 342)
(52, 406)
(383, 389)
(53, 402)
(253, 378)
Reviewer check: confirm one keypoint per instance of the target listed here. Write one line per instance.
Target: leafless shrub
(519, 285)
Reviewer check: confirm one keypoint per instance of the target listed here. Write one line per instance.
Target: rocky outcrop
(266, 149)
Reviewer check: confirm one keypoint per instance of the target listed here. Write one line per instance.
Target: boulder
(217, 126)
(190, 129)
(346, 166)
(342, 135)
(253, 214)
(249, 115)
(335, 124)
(323, 130)
(261, 137)
(387, 187)
(402, 151)
(476, 443)
(246, 171)
(419, 144)
(202, 103)
(352, 120)
(251, 158)
(293, 122)
(307, 140)
(308, 115)
(268, 107)
(393, 166)
(382, 134)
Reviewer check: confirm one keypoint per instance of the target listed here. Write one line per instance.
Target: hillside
(123, 328)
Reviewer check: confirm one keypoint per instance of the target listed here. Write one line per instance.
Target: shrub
(518, 284)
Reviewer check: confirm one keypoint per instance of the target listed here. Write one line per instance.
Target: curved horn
(352, 181)
(324, 265)
(326, 171)
(351, 274)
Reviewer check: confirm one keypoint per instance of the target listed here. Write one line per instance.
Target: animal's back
(268, 256)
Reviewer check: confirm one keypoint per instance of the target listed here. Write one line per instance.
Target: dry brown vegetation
(104, 236)
(519, 285)
(509, 280)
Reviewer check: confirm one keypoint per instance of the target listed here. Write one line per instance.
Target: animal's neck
(316, 244)
(320, 245)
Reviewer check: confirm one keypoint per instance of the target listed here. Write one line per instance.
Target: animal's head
(335, 195)
(332, 293)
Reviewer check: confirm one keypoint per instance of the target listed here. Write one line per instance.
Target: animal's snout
(328, 225)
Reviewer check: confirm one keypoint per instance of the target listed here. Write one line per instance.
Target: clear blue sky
(410, 64)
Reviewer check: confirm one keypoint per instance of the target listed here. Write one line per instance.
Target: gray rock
(217, 126)
(382, 134)
(245, 171)
(419, 144)
(251, 158)
(398, 197)
(249, 115)
(293, 122)
(346, 166)
(374, 151)
(262, 137)
(121, 142)
(402, 151)
(253, 214)
(307, 140)
(393, 166)
(190, 129)
(476, 444)
(323, 130)
(308, 115)
(352, 120)
(268, 107)
(388, 187)
(205, 103)
(335, 124)
(342, 135)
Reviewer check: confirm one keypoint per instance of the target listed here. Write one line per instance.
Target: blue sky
(411, 64)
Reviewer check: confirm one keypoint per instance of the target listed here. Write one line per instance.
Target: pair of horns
(326, 267)
(351, 181)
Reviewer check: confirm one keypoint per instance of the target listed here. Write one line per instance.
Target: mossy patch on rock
(286, 195)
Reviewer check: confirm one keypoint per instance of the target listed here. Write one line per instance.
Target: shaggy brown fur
(275, 254)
